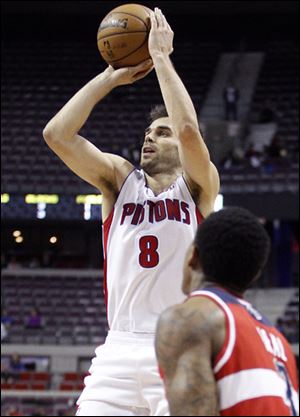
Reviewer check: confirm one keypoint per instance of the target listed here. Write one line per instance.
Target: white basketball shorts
(124, 379)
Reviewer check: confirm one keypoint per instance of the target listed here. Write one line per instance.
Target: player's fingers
(153, 20)
(143, 66)
(163, 19)
(142, 74)
(159, 18)
(148, 70)
(110, 69)
(169, 27)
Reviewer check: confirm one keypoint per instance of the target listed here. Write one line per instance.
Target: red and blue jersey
(255, 370)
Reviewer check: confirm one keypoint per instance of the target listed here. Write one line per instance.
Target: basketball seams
(132, 15)
(132, 52)
(138, 40)
(120, 33)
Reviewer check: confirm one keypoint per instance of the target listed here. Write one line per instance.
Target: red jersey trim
(199, 216)
(226, 351)
(161, 373)
(105, 231)
(198, 213)
(237, 389)
(134, 169)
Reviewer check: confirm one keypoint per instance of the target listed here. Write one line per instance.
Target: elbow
(48, 134)
(189, 131)
(51, 136)
(190, 138)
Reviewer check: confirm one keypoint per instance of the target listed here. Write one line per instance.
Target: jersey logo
(272, 343)
(156, 212)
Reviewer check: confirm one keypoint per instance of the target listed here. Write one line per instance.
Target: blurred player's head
(160, 148)
(230, 249)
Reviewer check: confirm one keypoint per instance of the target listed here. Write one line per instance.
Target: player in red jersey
(217, 354)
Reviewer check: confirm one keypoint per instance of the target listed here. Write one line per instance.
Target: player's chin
(149, 166)
(143, 163)
(146, 159)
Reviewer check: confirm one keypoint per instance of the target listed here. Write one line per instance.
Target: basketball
(122, 36)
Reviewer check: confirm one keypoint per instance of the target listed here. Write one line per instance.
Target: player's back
(255, 369)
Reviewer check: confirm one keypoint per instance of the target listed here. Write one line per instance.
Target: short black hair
(157, 112)
(233, 247)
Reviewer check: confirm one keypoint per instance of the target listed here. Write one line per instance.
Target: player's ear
(256, 277)
(193, 260)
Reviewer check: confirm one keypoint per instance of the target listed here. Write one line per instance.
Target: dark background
(205, 19)
(255, 22)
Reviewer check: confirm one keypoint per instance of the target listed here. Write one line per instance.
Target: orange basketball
(123, 35)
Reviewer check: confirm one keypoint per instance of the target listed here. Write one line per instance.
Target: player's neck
(231, 290)
(161, 181)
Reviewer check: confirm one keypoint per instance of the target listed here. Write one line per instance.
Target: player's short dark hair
(157, 112)
(233, 247)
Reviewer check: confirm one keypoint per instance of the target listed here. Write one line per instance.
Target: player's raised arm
(194, 154)
(102, 170)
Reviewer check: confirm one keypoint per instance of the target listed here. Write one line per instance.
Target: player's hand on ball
(161, 35)
(129, 75)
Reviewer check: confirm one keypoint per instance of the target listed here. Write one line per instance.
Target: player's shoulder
(172, 322)
(119, 161)
(191, 318)
(124, 170)
(195, 323)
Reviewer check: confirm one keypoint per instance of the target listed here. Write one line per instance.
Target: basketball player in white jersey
(150, 217)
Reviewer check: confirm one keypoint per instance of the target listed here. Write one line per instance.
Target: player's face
(160, 147)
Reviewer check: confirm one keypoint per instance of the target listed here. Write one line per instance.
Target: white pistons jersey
(145, 240)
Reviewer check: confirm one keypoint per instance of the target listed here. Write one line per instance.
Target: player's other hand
(161, 35)
(129, 75)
